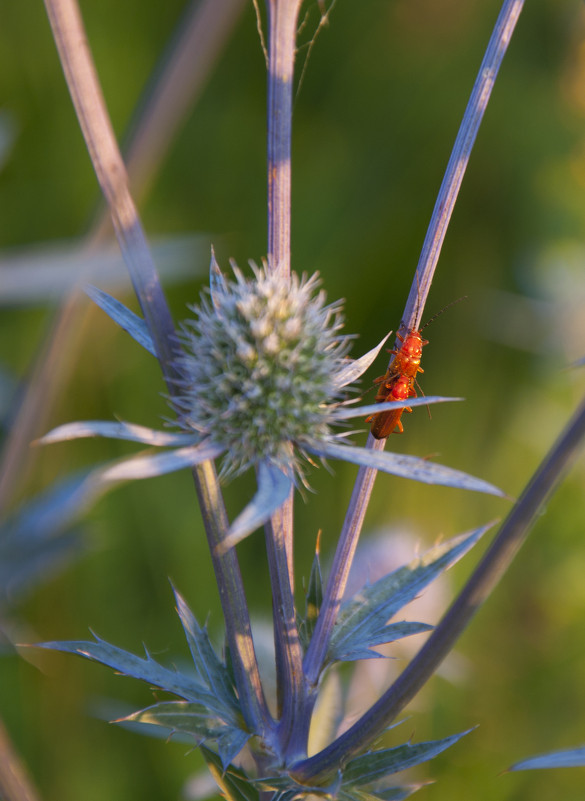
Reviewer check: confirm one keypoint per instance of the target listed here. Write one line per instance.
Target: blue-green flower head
(260, 367)
(261, 370)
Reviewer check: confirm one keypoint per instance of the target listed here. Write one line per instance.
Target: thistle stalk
(90, 107)
(282, 29)
(445, 203)
(494, 564)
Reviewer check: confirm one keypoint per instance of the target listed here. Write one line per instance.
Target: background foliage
(375, 118)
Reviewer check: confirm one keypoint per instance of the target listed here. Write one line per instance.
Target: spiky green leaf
(398, 793)
(362, 648)
(274, 488)
(233, 783)
(405, 466)
(375, 765)
(146, 669)
(363, 620)
(196, 721)
(357, 367)
(211, 672)
(387, 406)
(313, 599)
(571, 758)
(117, 430)
(126, 319)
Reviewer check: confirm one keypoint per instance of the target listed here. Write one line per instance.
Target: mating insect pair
(400, 380)
(398, 383)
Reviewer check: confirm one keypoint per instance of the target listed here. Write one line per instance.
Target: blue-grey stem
(282, 31)
(111, 173)
(437, 229)
(15, 784)
(496, 561)
(199, 38)
(337, 580)
(480, 95)
(202, 35)
(90, 107)
(290, 684)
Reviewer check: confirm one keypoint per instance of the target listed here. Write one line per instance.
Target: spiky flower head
(260, 366)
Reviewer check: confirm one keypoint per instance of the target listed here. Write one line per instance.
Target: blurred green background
(378, 110)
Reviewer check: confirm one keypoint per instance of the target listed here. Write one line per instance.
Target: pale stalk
(89, 104)
(203, 33)
(282, 29)
(484, 579)
(476, 107)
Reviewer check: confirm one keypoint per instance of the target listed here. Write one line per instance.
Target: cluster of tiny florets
(258, 368)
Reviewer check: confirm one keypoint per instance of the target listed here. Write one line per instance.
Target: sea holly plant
(261, 368)
(257, 377)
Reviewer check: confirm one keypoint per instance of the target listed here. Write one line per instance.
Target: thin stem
(203, 33)
(233, 601)
(282, 29)
(428, 260)
(337, 580)
(282, 25)
(107, 161)
(289, 656)
(178, 81)
(484, 579)
(15, 785)
(445, 203)
(429, 257)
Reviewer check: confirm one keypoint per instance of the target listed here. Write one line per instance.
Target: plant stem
(428, 260)
(90, 107)
(282, 29)
(423, 277)
(337, 580)
(451, 184)
(203, 34)
(511, 536)
(233, 602)
(290, 681)
(15, 785)
(91, 110)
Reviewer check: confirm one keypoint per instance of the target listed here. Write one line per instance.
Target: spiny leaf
(117, 430)
(210, 670)
(387, 406)
(313, 598)
(273, 489)
(375, 765)
(357, 367)
(398, 793)
(284, 785)
(195, 720)
(361, 649)
(404, 466)
(362, 620)
(230, 741)
(233, 783)
(571, 758)
(141, 466)
(146, 669)
(126, 319)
